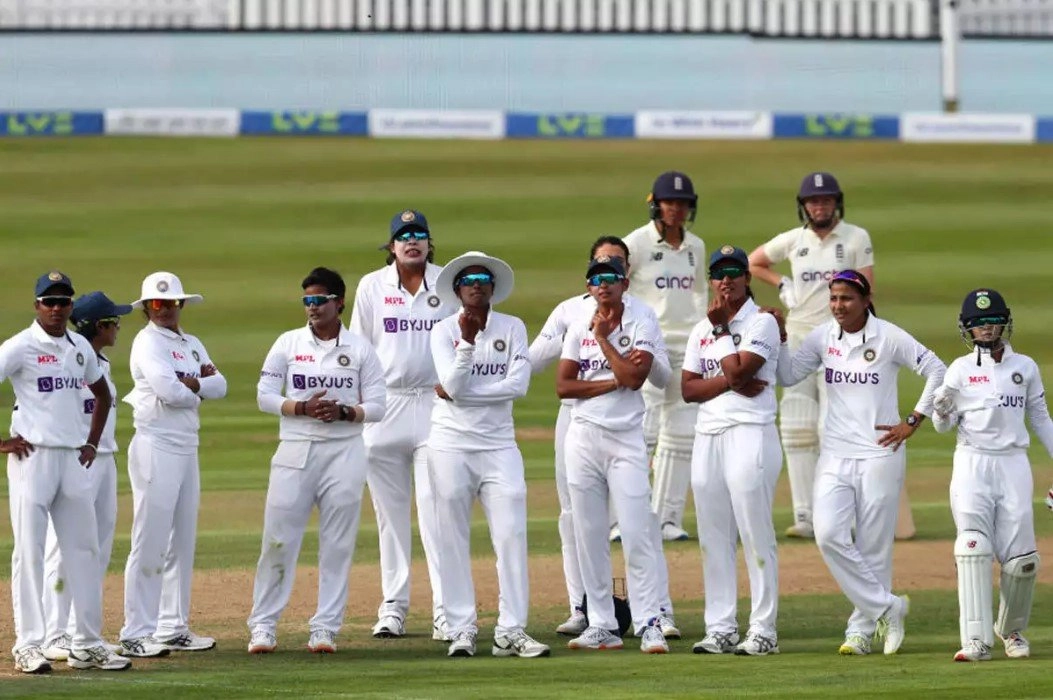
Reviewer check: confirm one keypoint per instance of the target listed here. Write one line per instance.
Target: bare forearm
(627, 373)
(701, 389)
(580, 389)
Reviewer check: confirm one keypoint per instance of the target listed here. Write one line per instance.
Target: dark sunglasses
(604, 278)
(474, 278)
(722, 272)
(986, 321)
(112, 321)
(412, 236)
(53, 301)
(158, 304)
(318, 299)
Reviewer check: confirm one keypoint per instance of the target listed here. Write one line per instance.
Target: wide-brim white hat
(164, 285)
(504, 279)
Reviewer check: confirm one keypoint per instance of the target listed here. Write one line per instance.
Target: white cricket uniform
(813, 263)
(673, 282)
(166, 483)
(606, 457)
(103, 488)
(472, 452)
(398, 325)
(547, 346)
(47, 374)
(991, 485)
(734, 469)
(859, 481)
(316, 463)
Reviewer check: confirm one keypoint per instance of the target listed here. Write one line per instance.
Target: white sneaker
(596, 638)
(757, 645)
(672, 533)
(974, 650)
(574, 625)
(143, 648)
(262, 641)
(97, 657)
(58, 648)
(801, 529)
(668, 626)
(322, 642)
(31, 660)
(463, 644)
(892, 624)
(717, 643)
(440, 632)
(519, 643)
(187, 641)
(855, 645)
(652, 641)
(388, 627)
(616, 534)
(1016, 647)
(113, 648)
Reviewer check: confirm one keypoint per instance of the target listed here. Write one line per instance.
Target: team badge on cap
(433, 301)
(624, 341)
(162, 286)
(817, 179)
(344, 360)
(869, 354)
(54, 276)
(499, 345)
(80, 360)
(408, 216)
(1018, 378)
(727, 250)
(982, 300)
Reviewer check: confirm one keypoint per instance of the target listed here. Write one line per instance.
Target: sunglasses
(723, 272)
(986, 321)
(318, 299)
(112, 321)
(604, 278)
(53, 301)
(158, 304)
(412, 236)
(474, 278)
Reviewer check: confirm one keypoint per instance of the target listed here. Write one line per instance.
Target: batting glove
(943, 401)
(786, 295)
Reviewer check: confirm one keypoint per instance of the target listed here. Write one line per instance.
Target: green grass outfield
(242, 221)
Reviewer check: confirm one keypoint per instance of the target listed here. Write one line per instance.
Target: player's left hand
(87, 455)
(441, 393)
(636, 356)
(470, 326)
(895, 435)
(602, 326)
(719, 312)
(209, 370)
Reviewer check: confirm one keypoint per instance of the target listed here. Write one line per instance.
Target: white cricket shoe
(31, 660)
(143, 648)
(615, 534)
(440, 631)
(757, 645)
(322, 642)
(668, 626)
(389, 627)
(652, 641)
(188, 641)
(575, 624)
(519, 643)
(855, 645)
(97, 657)
(58, 648)
(802, 529)
(262, 641)
(596, 638)
(892, 625)
(672, 533)
(463, 644)
(717, 643)
(974, 650)
(1016, 647)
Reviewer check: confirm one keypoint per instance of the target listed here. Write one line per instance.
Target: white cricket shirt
(672, 281)
(993, 400)
(47, 374)
(162, 407)
(483, 379)
(753, 332)
(813, 263)
(108, 442)
(860, 371)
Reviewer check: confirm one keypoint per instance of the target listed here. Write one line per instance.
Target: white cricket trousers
(602, 463)
(51, 481)
(734, 474)
(860, 493)
(57, 597)
(992, 494)
(332, 477)
(396, 449)
(166, 493)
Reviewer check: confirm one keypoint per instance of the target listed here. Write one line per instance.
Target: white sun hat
(164, 285)
(504, 279)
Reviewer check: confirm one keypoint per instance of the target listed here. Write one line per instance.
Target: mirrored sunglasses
(53, 301)
(604, 278)
(158, 304)
(722, 272)
(412, 236)
(318, 299)
(986, 321)
(111, 321)
(474, 279)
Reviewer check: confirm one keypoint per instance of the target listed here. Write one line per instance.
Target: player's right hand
(786, 293)
(943, 401)
(751, 388)
(17, 446)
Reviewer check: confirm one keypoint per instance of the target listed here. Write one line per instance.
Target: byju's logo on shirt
(489, 369)
(593, 365)
(834, 376)
(306, 381)
(49, 384)
(708, 366)
(1010, 401)
(401, 325)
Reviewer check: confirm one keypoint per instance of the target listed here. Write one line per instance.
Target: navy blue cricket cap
(729, 252)
(605, 264)
(673, 185)
(981, 303)
(51, 280)
(95, 306)
(817, 185)
(407, 220)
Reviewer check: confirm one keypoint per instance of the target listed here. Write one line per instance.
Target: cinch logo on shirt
(593, 365)
(304, 381)
(818, 275)
(47, 360)
(833, 351)
(490, 369)
(394, 301)
(834, 376)
(304, 358)
(674, 282)
(397, 325)
(983, 379)
(50, 384)
(89, 405)
(1012, 401)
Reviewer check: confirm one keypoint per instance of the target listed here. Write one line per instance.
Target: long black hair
(609, 240)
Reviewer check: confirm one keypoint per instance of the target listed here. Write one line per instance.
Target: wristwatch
(912, 420)
(719, 330)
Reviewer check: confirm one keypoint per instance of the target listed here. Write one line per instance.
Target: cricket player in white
(481, 359)
(606, 457)
(333, 382)
(548, 346)
(987, 395)
(729, 369)
(50, 454)
(668, 274)
(395, 309)
(173, 374)
(861, 468)
(97, 319)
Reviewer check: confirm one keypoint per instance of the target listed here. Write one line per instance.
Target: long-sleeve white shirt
(860, 375)
(672, 281)
(992, 401)
(754, 332)
(299, 365)
(398, 325)
(483, 379)
(163, 408)
(47, 374)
